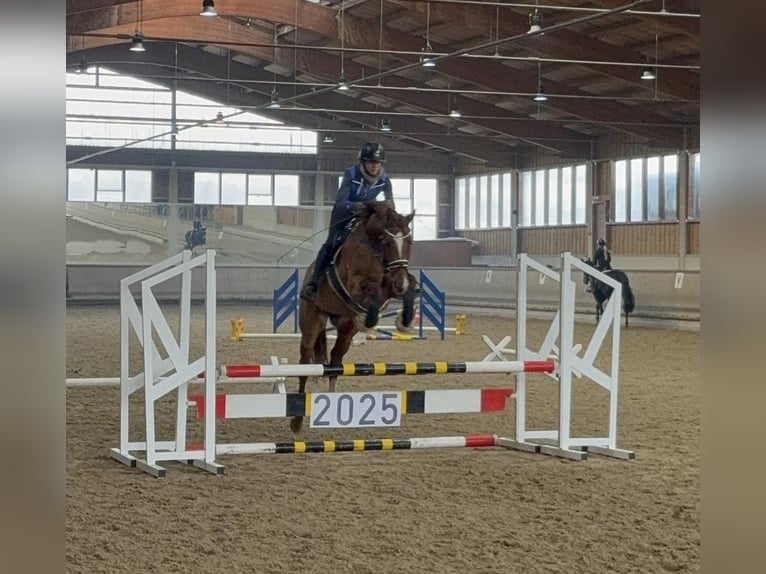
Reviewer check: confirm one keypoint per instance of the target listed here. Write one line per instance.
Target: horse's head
(390, 232)
(586, 278)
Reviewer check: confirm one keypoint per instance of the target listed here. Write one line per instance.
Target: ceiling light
(328, 139)
(137, 43)
(219, 117)
(454, 113)
(535, 22)
(648, 73)
(385, 125)
(208, 8)
(342, 82)
(274, 100)
(426, 59)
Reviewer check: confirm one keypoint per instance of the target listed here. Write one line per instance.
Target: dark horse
(601, 291)
(369, 269)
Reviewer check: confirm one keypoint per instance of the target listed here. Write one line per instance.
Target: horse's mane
(378, 216)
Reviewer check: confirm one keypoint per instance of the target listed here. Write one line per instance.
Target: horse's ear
(410, 217)
(368, 209)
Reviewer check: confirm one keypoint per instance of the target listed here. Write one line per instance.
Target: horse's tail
(628, 301)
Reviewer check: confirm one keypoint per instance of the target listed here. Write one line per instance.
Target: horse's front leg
(307, 355)
(404, 320)
(374, 301)
(313, 347)
(345, 333)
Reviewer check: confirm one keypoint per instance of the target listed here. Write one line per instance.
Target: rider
(603, 257)
(363, 181)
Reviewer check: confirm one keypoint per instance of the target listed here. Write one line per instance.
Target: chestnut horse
(369, 269)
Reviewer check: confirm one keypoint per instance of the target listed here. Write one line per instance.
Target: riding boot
(309, 291)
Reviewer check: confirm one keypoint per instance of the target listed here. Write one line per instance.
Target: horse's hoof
(296, 424)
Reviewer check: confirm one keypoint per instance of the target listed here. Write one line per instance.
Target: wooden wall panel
(553, 240)
(693, 238)
(643, 238)
(491, 241)
(296, 216)
(227, 214)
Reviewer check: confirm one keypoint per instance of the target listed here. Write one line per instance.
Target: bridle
(399, 240)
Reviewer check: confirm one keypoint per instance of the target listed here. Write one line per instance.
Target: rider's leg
(336, 236)
(324, 257)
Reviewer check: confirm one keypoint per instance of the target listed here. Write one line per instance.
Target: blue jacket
(355, 188)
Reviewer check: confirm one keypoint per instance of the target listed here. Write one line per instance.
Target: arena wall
(655, 290)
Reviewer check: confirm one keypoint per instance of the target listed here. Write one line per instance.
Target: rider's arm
(344, 206)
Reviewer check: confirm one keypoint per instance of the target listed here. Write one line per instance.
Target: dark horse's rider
(363, 181)
(603, 257)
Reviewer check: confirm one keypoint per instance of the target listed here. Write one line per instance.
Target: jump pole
(358, 445)
(387, 369)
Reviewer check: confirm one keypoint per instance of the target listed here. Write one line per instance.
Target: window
(81, 184)
(553, 196)
(233, 188)
(483, 201)
(527, 204)
(495, 192)
(207, 188)
(694, 200)
(460, 204)
(566, 194)
(245, 189)
(425, 199)
(258, 189)
(670, 171)
(138, 186)
(539, 196)
(400, 188)
(422, 196)
(105, 108)
(506, 197)
(285, 190)
(653, 189)
(645, 189)
(109, 185)
(581, 193)
(473, 183)
(636, 190)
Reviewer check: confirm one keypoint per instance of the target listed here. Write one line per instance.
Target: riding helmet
(601, 242)
(372, 152)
